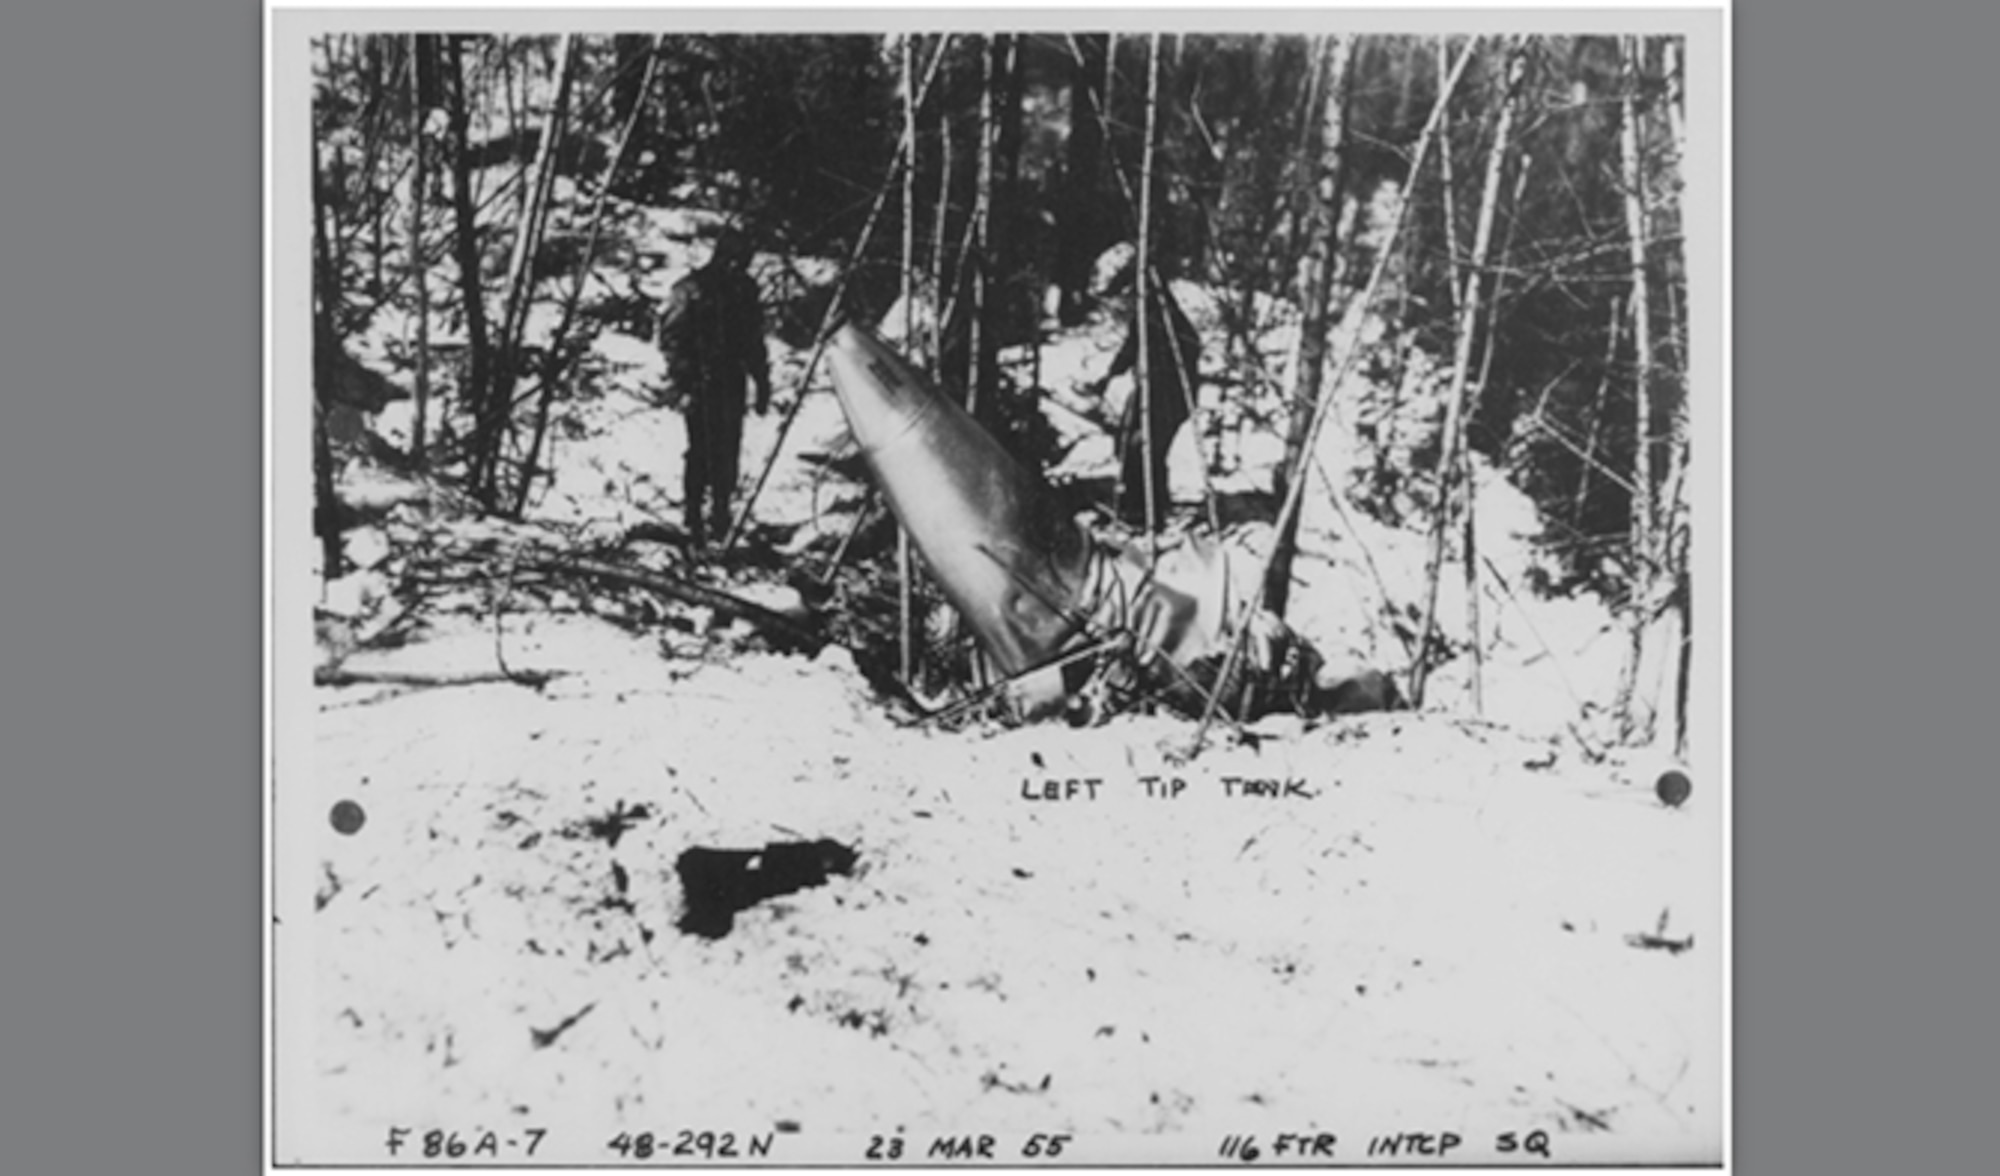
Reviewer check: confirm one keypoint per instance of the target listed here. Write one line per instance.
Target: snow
(1440, 924)
(1444, 926)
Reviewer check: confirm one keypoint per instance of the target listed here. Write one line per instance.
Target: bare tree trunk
(1472, 621)
(1643, 562)
(1642, 335)
(1677, 344)
(1677, 552)
(326, 335)
(1684, 663)
(1449, 186)
(1110, 82)
(978, 393)
(1316, 278)
(514, 113)
(419, 270)
(1451, 461)
(1303, 197)
(466, 240)
(1142, 263)
(1676, 98)
(1408, 77)
(499, 404)
(1004, 250)
(632, 78)
(833, 306)
(1597, 412)
(905, 636)
(1674, 482)
(1365, 300)
(1472, 599)
(1082, 158)
(378, 190)
(939, 230)
(1385, 443)
(335, 211)
(1007, 150)
(377, 213)
(368, 78)
(553, 361)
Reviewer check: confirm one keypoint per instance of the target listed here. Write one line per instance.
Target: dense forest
(1475, 240)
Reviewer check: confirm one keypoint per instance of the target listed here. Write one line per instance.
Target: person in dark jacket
(1155, 414)
(712, 335)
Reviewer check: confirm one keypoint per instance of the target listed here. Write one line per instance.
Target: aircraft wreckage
(1070, 621)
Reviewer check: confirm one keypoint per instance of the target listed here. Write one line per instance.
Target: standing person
(1173, 372)
(712, 335)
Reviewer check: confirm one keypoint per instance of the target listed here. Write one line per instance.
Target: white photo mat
(1047, 960)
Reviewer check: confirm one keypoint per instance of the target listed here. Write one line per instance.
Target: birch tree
(1643, 557)
(498, 408)
(554, 356)
(1452, 471)
(905, 621)
(1316, 278)
(1143, 288)
(465, 231)
(978, 391)
(420, 49)
(1366, 300)
(326, 303)
(1083, 153)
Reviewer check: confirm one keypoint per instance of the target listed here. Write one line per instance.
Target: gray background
(130, 508)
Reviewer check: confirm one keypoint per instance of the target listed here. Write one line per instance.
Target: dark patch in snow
(717, 883)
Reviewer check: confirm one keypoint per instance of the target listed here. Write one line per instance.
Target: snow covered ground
(1434, 925)
(1391, 923)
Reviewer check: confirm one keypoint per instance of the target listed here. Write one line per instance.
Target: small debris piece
(717, 883)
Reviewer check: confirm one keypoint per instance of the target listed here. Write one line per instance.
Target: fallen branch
(334, 676)
(697, 594)
(1659, 943)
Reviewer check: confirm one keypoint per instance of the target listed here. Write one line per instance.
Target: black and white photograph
(1025, 588)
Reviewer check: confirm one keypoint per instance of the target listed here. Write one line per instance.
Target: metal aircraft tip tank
(1069, 619)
